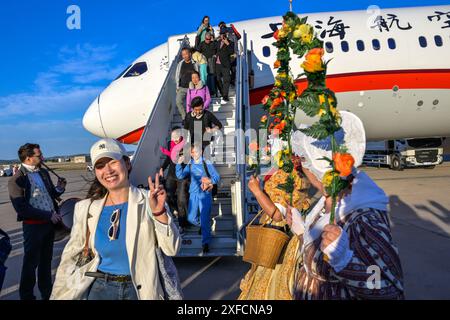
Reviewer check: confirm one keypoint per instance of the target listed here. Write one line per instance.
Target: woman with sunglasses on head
(121, 226)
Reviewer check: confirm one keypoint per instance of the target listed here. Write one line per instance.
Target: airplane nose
(92, 121)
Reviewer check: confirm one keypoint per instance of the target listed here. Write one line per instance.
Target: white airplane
(390, 67)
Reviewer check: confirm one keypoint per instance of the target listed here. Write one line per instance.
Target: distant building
(79, 159)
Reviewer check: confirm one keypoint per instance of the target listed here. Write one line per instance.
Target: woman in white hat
(112, 251)
(355, 258)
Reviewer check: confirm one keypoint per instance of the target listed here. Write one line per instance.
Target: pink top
(203, 93)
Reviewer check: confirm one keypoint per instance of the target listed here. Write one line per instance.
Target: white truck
(400, 154)
(6, 171)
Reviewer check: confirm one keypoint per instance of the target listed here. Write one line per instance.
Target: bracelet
(157, 214)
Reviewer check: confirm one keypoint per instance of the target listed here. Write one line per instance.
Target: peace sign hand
(157, 196)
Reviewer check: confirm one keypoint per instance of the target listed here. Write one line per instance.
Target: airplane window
(376, 44)
(344, 46)
(137, 70)
(266, 51)
(329, 47)
(391, 43)
(423, 42)
(123, 72)
(360, 45)
(438, 40)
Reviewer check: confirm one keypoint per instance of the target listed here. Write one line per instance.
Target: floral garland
(285, 98)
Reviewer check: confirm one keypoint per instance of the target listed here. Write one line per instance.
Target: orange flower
(264, 119)
(275, 34)
(277, 64)
(344, 163)
(313, 60)
(283, 94)
(265, 100)
(253, 146)
(280, 127)
(276, 103)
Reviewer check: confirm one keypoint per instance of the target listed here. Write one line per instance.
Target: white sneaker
(222, 102)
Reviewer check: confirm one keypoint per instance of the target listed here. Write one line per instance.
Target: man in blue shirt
(200, 191)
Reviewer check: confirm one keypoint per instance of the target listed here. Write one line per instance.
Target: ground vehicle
(399, 154)
(6, 171)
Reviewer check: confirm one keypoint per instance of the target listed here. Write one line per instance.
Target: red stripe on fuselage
(375, 80)
(348, 82)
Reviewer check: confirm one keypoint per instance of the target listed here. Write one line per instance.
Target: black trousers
(223, 76)
(178, 197)
(38, 254)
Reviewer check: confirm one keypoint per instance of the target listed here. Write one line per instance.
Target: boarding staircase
(227, 153)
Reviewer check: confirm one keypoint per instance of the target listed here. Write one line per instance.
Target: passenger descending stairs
(223, 218)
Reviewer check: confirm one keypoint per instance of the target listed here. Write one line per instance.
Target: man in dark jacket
(33, 197)
(200, 121)
(225, 50)
(208, 48)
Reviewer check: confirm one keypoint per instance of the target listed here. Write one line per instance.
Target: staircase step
(221, 209)
(222, 116)
(223, 223)
(217, 107)
(194, 241)
(222, 252)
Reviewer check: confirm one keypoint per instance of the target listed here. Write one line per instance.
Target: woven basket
(264, 245)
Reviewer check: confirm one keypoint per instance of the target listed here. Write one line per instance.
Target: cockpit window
(123, 72)
(137, 70)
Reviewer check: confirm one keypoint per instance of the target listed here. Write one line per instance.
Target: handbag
(86, 255)
(215, 188)
(168, 274)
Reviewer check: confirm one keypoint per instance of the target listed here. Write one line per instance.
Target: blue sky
(50, 74)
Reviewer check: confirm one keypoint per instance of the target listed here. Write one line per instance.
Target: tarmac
(420, 220)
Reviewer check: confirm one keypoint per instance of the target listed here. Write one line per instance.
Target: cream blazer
(143, 234)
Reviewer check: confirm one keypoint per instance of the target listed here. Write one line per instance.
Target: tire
(396, 164)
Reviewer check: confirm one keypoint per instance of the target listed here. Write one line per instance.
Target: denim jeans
(111, 290)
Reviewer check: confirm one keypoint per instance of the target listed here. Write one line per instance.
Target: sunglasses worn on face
(114, 228)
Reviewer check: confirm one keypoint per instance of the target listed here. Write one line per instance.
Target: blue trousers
(109, 290)
(201, 202)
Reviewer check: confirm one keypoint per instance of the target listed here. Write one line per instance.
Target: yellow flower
(280, 164)
(313, 60)
(282, 33)
(333, 110)
(322, 112)
(328, 178)
(277, 83)
(282, 75)
(292, 96)
(331, 103)
(305, 32)
(321, 99)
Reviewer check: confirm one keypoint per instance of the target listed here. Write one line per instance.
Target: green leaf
(309, 104)
(316, 131)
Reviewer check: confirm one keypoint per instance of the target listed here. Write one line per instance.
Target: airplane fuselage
(389, 67)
